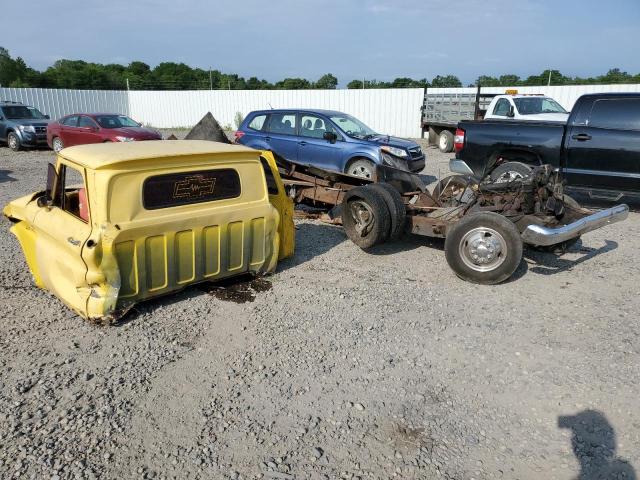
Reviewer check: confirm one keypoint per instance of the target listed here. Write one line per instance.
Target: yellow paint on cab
(124, 251)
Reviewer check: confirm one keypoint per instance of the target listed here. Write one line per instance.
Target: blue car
(329, 140)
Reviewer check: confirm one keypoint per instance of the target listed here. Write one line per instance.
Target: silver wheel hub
(443, 142)
(363, 216)
(483, 249)
(57, 145)
(360, 170)
(12, 141)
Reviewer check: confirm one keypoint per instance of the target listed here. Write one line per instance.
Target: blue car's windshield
(352, 126)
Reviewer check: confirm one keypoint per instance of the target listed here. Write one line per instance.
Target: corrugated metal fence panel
(566, 95)
(392, 111)
(57, 103)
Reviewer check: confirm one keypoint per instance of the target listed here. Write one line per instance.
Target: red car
(82, 128)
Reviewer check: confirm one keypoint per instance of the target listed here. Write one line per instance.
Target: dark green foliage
(554, 77)
(79, 74)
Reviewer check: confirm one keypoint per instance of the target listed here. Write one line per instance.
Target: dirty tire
(397, 210)
(365, 216)
(510, 171)
(362, 168)
(446, 187)
(13, 142)
(445, 141)
(493, 238)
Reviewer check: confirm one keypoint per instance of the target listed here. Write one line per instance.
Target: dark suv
(22, 126)
(328, 139)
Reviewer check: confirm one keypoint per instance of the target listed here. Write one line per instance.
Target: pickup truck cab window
(537, 105)
(618, 114)
(186, 188)
(502, 107)
(71, 193)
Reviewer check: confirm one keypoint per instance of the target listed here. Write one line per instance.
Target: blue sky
(375, 39)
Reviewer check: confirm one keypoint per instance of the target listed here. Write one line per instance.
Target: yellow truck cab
(123, 222)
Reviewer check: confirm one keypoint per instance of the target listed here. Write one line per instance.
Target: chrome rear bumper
(544, 236)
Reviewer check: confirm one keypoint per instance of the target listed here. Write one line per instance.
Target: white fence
(392, 111)
(395, 111)
(57, 103)
(564, 95)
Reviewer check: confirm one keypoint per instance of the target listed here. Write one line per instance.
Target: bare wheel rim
(57, 145)
(443, 142)
(361, 170)
(362, 216)
(510, 176)
(13, 141)
(483, 249)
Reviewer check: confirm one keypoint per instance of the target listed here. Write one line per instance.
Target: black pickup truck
(597, 150)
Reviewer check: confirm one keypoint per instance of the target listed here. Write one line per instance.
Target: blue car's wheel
(362, 168)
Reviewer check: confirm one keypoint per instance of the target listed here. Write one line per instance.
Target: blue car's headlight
(398, 152)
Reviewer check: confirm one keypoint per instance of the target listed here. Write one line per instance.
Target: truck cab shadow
(544, 263)
(5, 176)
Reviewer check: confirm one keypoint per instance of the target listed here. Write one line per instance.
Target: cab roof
(103, 155)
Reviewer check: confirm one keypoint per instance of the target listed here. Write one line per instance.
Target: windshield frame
(518, 100)
(364, 133)
(98, 120)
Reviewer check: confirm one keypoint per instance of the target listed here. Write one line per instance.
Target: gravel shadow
(594, 444)
(406, 243)
(5, 176)
(312, 240)
(550, 263)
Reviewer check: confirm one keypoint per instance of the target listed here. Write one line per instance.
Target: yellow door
(279, 199)
(60, 237)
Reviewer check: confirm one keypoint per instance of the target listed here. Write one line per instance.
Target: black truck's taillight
(458, 140)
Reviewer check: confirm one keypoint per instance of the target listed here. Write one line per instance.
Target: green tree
(487, 81)
(615, 75)
(326, 82)
(509, 80)
(448, 81)
(293, 84)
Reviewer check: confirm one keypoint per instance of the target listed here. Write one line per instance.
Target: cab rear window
(175, 189)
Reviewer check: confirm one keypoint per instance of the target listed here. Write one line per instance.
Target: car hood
(139, 133)
(393, 141)
(31, 121)
(546, 117)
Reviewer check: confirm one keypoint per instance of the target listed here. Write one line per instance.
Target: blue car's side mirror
(331, 136)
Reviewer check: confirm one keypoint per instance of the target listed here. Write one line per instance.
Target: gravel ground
(353, 365)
